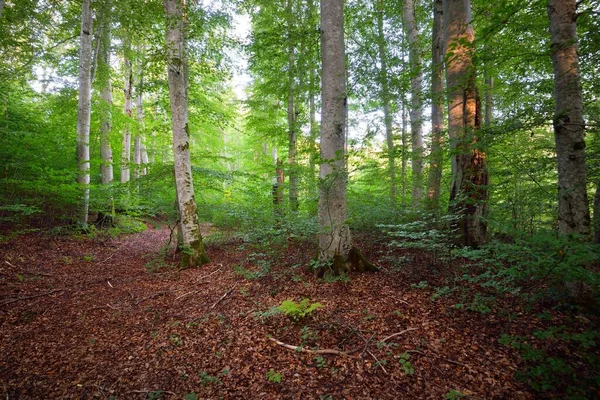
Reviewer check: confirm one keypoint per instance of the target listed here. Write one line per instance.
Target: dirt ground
(83, 318)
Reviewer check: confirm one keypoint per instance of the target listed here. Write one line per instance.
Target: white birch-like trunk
(138, 143)
(334, 235)
(416, 100)
(193, 251)
(468, 194)
(84, 110)
(128, 108)
(569, 126)
(437, 109)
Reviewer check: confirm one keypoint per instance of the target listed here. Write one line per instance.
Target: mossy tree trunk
(193, 248)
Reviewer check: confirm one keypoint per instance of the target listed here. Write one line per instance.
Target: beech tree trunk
(334, 235)
(103, 75)
(139, 116)
(416, 100)
(291, 112)
(193, 248)
(128, 107)
(597, 214)
(569, 126)
(385, 97)
(469, 193)
(437, 109)
(84, 110)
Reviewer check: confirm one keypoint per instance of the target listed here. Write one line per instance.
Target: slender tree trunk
(128, 95)
(403, 140)
(385, 96)
(597, 214)
(1, 7)
(416, 100)
(139, 116)
(489, 99)
(84, 110)
(569, 126)
(277, 190)
(106, 167)
(437, 109)
(334, 236)
(193, 252)
(291, 111)
(468, 196)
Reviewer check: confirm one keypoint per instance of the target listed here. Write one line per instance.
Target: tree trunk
(84, 110)
(437, 111)
(385, 97)
(416, 101)
(138, 170)
(106, 167)
(573, 207)
(597, 214)
(291, 112)
(193, 248)
(403, 140)
(468, 196)
(334, 235)
(128, 94)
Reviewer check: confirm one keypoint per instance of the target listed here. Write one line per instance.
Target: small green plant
(406, 365)
(88, 258)
(208, 379)
(454, 395)
(297, 311)
(155, 395)
(320, 361)
(420, 285)
(273, 377)
(307, 334)
(191, 396)
(441, 291)
(176, 340)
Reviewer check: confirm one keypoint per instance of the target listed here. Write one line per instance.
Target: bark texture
(597, 214)
(84, 110)
(468, 196)
(334, 235)
(416, 100)
(291, 111)
(569, 127)
(193, 251)
(385, 98)
(437, 109)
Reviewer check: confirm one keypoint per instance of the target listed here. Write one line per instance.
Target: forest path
(82, 318)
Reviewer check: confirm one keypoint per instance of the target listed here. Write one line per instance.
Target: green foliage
(455, 395)
(298, 311)
(273, 377)
(406, 365)
(208, 379)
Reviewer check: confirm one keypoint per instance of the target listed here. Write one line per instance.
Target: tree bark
(597, 214)
(138, 146)
(468, 196)
(128, 108)
(193, 251)
(106, 167)
(437, 109)
(416, 100)
(569, 126)
(84, 110)
(291, 111)
(385, 98)
(334, 235)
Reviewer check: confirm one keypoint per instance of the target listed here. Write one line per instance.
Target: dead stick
(206, 276)
(323, 351)
(29, 272)
(398, 334)
(186, 294)
(225, 295)
(377, 361)
(152, 296)
(30, 297)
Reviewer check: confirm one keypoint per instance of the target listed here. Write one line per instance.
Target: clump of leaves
(298, 311)
(407, 367)
(273, 377)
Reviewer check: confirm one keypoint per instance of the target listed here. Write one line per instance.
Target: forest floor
(83, 318)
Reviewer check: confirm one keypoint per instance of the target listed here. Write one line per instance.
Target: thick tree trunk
(416, 100)
(128, 108)
(334, 235)
(193, 251)
(569, 126)
(385, 97)
(138, 146)
(437, 109)
(468, 196)
(84, 110)
(103, 75)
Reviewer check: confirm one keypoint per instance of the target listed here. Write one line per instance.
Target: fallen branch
(30, 297)
(398, 334)
(225, 295)
(206, 276)
(28, 272)
(377, 361)
(151, 391)
(186, 294)
(323, 351)
(153, 296)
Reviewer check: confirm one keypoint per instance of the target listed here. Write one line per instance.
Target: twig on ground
(111, 307)
(186, 294)
(322, 351)
(398, 334)
(225, 295)
(30, 297)
(28, 272)
(377, 361)
(151, 391)
(152, 296)
(109, 284)
(206, 276)
(403, 302)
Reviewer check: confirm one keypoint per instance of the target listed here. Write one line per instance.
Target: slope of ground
(83, 318)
